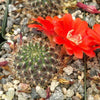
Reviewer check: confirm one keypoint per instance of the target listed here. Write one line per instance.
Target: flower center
(77, 39)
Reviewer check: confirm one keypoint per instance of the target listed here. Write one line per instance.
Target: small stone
(10, 22)
(24, 87)
(89, 90)
(21, 97)
(3, 81)
(41, 91)
(64, 90)
(7, 86)
(78, 95)
(69, 98)
(6, 72)
(24, 39)
(97, 97)
(16, 82)
(53, 85)
(90, 97)
(81, 77)
(10, 94)
(17, 31)
(80, 89)
(1, 93)
(3, 96)
(24, 21)
(57, 95)
(75, 98)
(68, 70)
(11, 8)
(6, 47)
(70, 93)
(34, 95)
(92, 21)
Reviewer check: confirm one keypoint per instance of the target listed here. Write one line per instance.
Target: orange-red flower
(72, 34)
(46, 25)
(95, 35)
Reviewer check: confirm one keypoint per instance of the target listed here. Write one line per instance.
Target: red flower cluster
(75, 35)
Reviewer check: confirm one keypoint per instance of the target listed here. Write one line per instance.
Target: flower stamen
(77, 39)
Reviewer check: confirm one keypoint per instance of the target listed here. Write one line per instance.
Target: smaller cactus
(36, 63)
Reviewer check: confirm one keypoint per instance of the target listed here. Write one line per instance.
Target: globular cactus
(36, 63)
(47, 7)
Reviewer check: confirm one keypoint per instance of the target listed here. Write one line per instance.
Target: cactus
(36, 63)
(47, 7)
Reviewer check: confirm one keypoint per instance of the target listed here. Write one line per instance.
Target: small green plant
(36, 63)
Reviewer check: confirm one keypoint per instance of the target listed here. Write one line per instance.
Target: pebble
(11, 8)
(41, 92)
(34, 95)
(64, 90)
(6, 47)
(24, 21)
(24, 38)
(75, 98)
(70, 93)
(68, 70)
(17, 31)
(3, 81)
(1, 93)
(97, 97)
(10, 22)
(16, 82)
(6, 55)
(57, 95)
(75, 14)
(6, 72)
(21, 97)
(53, 85)
(89, 90)
(10, 94)
(7, 86)
(24, 87)
(90, 97)
(80, 89)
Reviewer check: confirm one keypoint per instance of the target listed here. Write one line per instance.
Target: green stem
(85, 67)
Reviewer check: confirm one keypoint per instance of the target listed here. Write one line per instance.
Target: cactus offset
(36, 63)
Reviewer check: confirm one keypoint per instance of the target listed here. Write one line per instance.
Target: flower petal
(59, 40)
(39, 27)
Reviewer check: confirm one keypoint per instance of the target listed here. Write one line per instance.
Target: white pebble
(41, 91)
(70, 93)
(53, 85)
(68, 70)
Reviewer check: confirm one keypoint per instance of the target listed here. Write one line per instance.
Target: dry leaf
(96, 79)
(64, 81)
(3, 76)
(6, 68)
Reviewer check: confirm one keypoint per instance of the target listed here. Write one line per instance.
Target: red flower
(95, 35)
(72, 34)
(91, 9)
(46, 25)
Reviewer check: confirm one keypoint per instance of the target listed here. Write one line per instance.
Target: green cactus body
(47, 7)
(36, 63)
